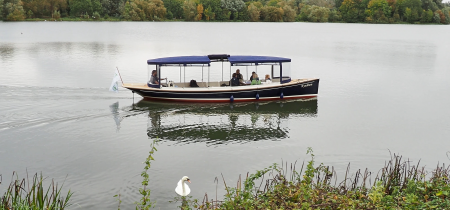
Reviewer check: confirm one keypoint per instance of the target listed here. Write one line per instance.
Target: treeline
(351, 11)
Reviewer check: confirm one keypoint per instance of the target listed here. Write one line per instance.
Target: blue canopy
(256, 59)
(184, 60)
(180, 60)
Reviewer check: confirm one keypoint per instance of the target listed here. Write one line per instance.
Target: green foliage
(189, 10)
(23, 195)
(56, 15)
(12, 10)
(436, 18)
(427, 16)
(174, 9)
(144, 10)
(414, 5)
(378, 11)
(289, 14)
(313, 14)
(112, 8)
(254, 12)
(80, 7)
(334, 16)
(350, 11)
(272, 14)
(1, 9)
(398, 186)
(233, 5)
(145, 203)
(410, 15)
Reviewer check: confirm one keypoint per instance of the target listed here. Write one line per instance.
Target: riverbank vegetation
(31, 195)
(398, 185)
(350, 11)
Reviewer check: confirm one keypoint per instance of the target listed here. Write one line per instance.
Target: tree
(272, 14)
(189, 10)
(414, 5)
(318, 14)
(143, 10)
(233, 5)
(216, 8)
(13, 10)
(378, 11)
(289, 14)
(253, 12)
(55, 5)
(349, 11)
(330, 4)
(199, 11)
(209, 15)
(427, 16)
(175, 7)
(80, 7)
(1, 9)
(112, 8)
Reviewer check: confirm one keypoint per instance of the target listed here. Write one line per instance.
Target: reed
(23, 194)
(398, 185)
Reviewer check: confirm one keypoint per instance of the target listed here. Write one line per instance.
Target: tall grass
(26, 195)
(398, 185)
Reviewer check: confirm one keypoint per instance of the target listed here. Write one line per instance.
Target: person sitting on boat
(255, 79)
(154, 79)
(268, 80)
(193, 83)
(239, 76)
(234, 80)
(251, 77)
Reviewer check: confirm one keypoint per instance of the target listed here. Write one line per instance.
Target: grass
(398, 185)
(21, 194)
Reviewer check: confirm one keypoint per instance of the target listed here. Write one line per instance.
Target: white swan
(182, 188)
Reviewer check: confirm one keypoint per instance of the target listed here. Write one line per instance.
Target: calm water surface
(383, 88)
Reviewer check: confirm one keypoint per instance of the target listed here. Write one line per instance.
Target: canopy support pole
(222, 70)
(158, 72)
(208, 75)
(202, 73)
(184, 74)
(180, 74)
(246, 71)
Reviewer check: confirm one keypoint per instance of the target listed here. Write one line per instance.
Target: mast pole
(119, 75)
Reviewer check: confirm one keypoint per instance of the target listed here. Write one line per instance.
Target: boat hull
(298, 89)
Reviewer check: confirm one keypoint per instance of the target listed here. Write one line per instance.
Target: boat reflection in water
(223, 123)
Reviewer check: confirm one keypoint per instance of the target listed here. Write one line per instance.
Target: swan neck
(182, 187)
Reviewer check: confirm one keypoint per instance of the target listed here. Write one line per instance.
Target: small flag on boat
(115, 85)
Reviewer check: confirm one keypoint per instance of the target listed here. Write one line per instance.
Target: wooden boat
(282, 86)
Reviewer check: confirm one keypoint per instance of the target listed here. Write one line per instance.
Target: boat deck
(214, 86)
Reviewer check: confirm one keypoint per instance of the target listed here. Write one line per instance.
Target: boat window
(275, 72)
(262, 70)
(286, 71)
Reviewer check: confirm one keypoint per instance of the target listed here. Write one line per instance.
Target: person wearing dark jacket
(235, 80)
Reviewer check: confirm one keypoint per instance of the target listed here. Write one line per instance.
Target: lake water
(383, 88)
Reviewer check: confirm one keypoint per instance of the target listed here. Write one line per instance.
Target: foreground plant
(21, 194)
(399, 185)
(145, 202)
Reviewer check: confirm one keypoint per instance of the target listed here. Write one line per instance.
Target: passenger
(251, 77)
(255, 79)
(234, 81)
(193, 83)
(268, 80)
(239, 76)
(154, 79)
